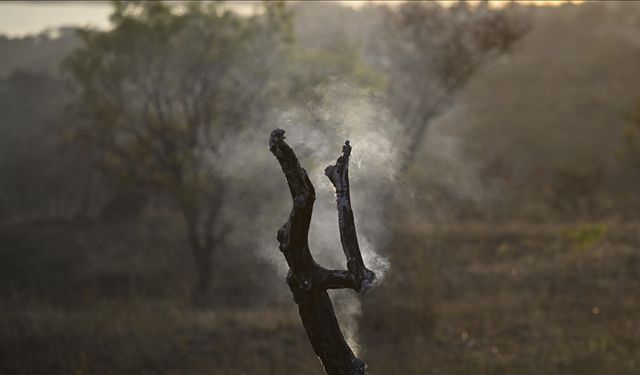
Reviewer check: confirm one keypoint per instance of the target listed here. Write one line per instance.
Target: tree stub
(308, 280)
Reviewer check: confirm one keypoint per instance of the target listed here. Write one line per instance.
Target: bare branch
(308, 281)
(336, 279)
(339, 176)
(293, 234)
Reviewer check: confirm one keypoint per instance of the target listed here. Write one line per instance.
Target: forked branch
(307, 279)
(339, 176)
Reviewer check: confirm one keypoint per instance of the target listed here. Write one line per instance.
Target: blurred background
(495, 178)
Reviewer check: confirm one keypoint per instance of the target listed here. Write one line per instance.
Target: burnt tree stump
(308, 280)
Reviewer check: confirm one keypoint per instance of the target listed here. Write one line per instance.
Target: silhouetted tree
(160, 93)
(433, 51)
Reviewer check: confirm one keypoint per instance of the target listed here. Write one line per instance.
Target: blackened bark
(339, 176)
(309, 281)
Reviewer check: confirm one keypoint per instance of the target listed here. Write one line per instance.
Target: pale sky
(18, 18)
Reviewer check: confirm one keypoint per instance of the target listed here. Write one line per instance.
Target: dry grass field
(460, 298)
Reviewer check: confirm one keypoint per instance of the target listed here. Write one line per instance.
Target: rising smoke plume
(317, 133)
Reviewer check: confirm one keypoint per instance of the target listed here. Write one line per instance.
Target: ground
(476, 297)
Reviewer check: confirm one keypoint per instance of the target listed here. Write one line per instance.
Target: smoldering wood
(339, 176)
(308, 280)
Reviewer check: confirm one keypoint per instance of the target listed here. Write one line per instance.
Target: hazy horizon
(21, 18)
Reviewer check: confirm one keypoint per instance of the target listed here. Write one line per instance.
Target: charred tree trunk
(308, 280)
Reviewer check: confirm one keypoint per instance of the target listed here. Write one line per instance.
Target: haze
(18, 18)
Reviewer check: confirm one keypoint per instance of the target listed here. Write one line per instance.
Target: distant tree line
(145, 109)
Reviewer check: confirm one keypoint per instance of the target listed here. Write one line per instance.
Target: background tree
(432, 51)
(429, 52)
(161, 93)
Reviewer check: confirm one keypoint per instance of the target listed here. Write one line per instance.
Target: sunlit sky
(18, 18)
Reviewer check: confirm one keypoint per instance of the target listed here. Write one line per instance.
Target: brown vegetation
(514, 246)
(481, 297)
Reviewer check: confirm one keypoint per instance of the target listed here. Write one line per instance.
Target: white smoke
(316, 133)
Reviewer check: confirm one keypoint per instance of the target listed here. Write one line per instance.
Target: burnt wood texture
(308, 280)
